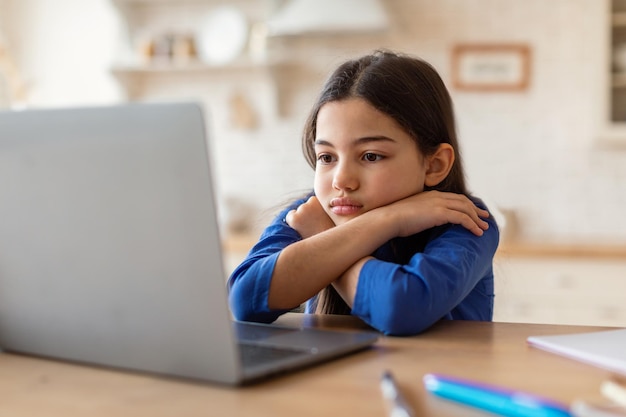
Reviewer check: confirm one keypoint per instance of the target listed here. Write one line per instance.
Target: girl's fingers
(471, 215)
(289, 217)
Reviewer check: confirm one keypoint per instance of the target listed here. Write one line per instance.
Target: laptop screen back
(109, 247)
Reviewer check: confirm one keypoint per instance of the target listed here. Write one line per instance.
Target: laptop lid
(109, 245)
(109, 249)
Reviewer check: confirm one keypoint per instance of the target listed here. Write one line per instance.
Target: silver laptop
(110, 253)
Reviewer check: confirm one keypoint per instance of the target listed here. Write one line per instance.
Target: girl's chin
(339, 220)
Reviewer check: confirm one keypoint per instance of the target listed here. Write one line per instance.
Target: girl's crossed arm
(327, 253)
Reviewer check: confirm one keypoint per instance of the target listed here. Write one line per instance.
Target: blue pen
(493, 399)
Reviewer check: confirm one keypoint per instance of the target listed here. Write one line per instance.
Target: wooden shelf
(193, 66)
(615, 251)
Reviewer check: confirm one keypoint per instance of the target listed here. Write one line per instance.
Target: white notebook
(605, 349)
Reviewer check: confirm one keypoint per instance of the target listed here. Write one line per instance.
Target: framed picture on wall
(491, 67)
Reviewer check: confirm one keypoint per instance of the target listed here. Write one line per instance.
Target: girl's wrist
(384, 220)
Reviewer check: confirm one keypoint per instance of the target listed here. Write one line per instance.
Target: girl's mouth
(344, 206)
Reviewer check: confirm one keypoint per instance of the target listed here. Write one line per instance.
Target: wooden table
(494, 353)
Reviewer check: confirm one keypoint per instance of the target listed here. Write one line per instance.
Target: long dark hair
(410, 91)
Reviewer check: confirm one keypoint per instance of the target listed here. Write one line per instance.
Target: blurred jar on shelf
(168, 48)
(183, 49)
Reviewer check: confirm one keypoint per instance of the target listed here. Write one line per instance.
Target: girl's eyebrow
(359, 141)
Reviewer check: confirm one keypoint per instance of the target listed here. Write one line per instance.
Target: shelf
(178, 2)
(137, 79)
(151, 2)
(163, 52)
(615, 251)
(194, 66)
(125, 5)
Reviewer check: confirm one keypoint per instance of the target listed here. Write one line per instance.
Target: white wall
(64, 49)
(534, 151)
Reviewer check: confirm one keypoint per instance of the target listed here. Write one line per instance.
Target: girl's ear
(439, 165)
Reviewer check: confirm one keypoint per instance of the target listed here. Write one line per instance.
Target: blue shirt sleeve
(249, 284)
(452, 278)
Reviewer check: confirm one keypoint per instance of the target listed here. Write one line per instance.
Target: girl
(390, 233)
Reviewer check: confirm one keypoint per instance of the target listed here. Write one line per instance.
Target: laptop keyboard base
(253, 355)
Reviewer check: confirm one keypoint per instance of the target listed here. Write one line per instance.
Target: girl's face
(365, 160)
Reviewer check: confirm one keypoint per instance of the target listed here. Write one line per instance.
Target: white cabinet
(561, 290)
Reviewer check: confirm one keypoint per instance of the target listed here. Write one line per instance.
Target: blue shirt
(442, 273)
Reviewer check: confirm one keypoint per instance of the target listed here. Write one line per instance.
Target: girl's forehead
(356, 117)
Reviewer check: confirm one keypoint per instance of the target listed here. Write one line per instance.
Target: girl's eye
(324, 158)
(372, 157)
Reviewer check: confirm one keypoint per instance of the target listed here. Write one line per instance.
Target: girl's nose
(345, 178)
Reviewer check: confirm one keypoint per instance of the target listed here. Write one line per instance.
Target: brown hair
(410, 91)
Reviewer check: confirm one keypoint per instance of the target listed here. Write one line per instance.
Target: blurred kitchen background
(540, 106)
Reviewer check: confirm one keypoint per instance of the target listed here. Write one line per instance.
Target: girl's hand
(434, 208)
(309, 218)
